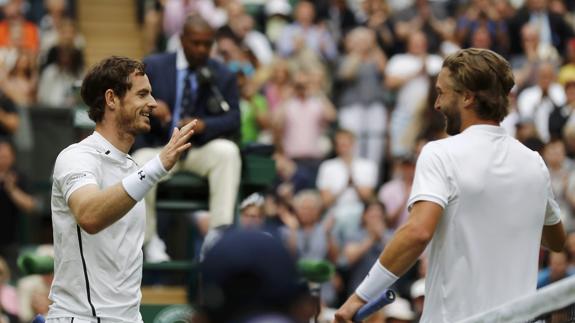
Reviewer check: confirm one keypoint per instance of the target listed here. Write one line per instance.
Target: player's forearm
(404, 249)
(96, 209)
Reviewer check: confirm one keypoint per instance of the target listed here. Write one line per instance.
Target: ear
(111, 99)
(468, 99)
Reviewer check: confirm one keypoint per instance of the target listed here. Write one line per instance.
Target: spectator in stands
(291, 178)
(9, 117)
(252, 214)
(345, 183)
(361, 108)
(537, 102)
(395, 193)
(254, 112)
(363, 247)
(408, 75)
(56, 24)
(67, 37)
(15, 31)
(482, 15)
(310, 237)
(33, 289)
(562, 115)
(552, 28)
(305, 34)
(526, 63)
(15, 201)
(195, 95)
(8, 298)
(242, 28)
(55, 88)
(379, 20)
(557, 269)
(21, 82)
(560, 170)
(278, 87)
(300, 123)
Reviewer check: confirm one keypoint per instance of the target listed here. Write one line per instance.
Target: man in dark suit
(189, 85)
(553, 29)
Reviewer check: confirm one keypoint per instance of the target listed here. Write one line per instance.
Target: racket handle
(387, 297)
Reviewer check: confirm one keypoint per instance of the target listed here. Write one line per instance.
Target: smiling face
(133, 114)
(448, 102)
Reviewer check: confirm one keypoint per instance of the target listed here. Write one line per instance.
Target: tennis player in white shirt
(98, 212)
(482, 198)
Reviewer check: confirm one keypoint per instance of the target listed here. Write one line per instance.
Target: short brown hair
(110, 73)
(487, 75)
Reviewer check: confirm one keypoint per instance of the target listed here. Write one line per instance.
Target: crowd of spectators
(343, 90)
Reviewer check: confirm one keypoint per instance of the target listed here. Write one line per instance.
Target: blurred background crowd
(343, 90)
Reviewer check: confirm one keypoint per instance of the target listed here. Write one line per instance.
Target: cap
(417, 288)
(248, 268)
(400, 309)
(278, 7)
(254, 199)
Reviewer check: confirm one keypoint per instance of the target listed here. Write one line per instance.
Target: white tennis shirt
(496, 197)
(99, 275)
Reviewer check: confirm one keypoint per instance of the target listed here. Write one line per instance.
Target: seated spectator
(395, 193)
(482, 14)
(55, 88)
(21, 83)
(361, 249)
(33, 290)
(252, 214)
(15, 31)
(301, 121)
(537, 102)
(9, 117)
(305, 34)
(310, 237)
(345, 183)
(15, 201)
(409, 76)
(190, 85)
(361, 108)
(557, 269)
(67, 37)
(278, 87)
(254, 112)
(8, 297)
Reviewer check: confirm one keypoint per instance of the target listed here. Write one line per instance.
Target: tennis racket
(387, 297)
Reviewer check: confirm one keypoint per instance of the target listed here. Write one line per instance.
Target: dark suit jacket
(161, 70)
(560, 30)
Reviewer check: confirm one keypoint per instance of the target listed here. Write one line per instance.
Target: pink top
(303, 127)
(9, 299)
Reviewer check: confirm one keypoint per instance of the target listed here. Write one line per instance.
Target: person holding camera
(189, 85)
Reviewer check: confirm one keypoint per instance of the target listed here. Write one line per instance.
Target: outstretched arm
(95, 209)
(402, 252)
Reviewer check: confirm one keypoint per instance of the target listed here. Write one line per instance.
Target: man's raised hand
(179, 142)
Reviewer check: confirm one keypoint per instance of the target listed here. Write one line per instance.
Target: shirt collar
(181, 61)
(496, 130)
(108, 149)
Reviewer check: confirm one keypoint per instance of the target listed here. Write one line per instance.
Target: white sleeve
(431, 181)
(367, 174)
(552, 211)
(74, 169)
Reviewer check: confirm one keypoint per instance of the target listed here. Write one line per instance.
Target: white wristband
(376, 281)
(140, 182)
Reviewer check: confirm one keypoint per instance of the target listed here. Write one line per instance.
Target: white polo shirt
(496, 196)
(97, 277)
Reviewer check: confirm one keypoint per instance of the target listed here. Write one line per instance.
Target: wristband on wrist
(377, 280)
(139, 183)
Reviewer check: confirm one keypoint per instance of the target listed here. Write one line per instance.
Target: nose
(153, 104)
(436, 105)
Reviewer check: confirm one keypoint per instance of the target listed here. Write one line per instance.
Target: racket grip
(387, 297)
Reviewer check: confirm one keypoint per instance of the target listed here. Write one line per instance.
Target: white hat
(400, 309)
(417, 288)
(277, 7)
(254, 199)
